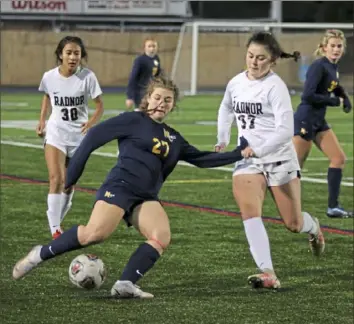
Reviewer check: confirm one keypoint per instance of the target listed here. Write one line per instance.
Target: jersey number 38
(69, 114)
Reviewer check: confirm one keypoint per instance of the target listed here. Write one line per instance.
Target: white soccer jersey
(69, 101)
(264, 115)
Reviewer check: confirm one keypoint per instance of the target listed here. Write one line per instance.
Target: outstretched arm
(113, 128)
(205, 159)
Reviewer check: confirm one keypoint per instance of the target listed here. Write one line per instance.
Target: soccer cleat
(57, 234)
(266, 279)
(339, 212)
(317, 241)
(126, 289)
(26, 264)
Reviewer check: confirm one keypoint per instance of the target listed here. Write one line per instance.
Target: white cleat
(126, 289)
(26, 264)
(317, 242)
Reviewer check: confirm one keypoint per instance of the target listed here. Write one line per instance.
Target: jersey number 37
(69, 114)
(247, 121)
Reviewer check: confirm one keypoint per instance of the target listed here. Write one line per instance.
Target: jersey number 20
(247, 121)
(69, 114)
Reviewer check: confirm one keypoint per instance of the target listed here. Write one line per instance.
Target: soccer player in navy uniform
(145, 67)
(322, 88)
(149, 151)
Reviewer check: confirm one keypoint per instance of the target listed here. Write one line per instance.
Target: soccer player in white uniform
(66, 89)
(259, 101)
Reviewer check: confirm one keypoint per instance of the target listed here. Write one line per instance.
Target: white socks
(58, 207)
(259, 243)
(309, 226)
(66, 202)
(54, 212)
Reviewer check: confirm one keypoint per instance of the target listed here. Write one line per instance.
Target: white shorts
(53, 139)
(276, 174)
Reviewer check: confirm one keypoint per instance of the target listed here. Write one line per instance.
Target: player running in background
(149, 152)
(145, 67)
(66, 89)
(322, 79)
(260, 102)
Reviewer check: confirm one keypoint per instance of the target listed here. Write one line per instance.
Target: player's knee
(293, 224)
(249, 210)
(161, 239)
(92, 235)
(338, 161)
(56, 182)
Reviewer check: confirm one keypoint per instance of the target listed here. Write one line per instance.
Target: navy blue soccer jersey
(321, 81)
(144, 69)
(148, 153)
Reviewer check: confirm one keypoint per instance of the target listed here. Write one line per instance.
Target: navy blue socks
(334, 178)
(141, 261)
(66, 242)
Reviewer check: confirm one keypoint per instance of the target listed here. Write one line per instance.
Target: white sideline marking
(228, 169)
(13, 104)
(31, 125)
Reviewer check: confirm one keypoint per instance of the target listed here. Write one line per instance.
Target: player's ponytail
(295, 55)
(272, 45)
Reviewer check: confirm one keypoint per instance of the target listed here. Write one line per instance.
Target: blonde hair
(159, 82)
(149, 39)
(331, 33)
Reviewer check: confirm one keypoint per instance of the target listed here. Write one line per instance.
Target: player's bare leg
(328, 143)
(55, 160)
(288, 200)
(249, 191)
(151, 220)
(103, 222)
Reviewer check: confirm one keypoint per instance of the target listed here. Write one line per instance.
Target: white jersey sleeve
(43, 84)
(226, 117)
(94, 88)
(280, 101)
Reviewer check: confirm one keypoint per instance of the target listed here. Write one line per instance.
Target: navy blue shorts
(122, 197)
(308, 129)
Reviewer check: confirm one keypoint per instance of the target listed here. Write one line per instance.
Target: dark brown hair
(270, 42)
(66, 40)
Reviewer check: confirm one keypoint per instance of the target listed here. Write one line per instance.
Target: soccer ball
(87, 271)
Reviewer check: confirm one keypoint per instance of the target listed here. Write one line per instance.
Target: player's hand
(341, 101)
(40, 129)
(347, 105)
(248, 153)
(129, 103)
(219, 147)
(85, 127)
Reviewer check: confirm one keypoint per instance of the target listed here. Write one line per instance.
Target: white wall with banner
(97, 7)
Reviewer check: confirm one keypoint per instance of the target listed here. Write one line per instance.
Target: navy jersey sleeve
(114, 128)
(133, 78)
(161, 71)
(313, 78)
(205, 159)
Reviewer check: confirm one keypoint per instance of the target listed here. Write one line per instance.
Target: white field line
(228, 169)
(13, 104)
(31, 125)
